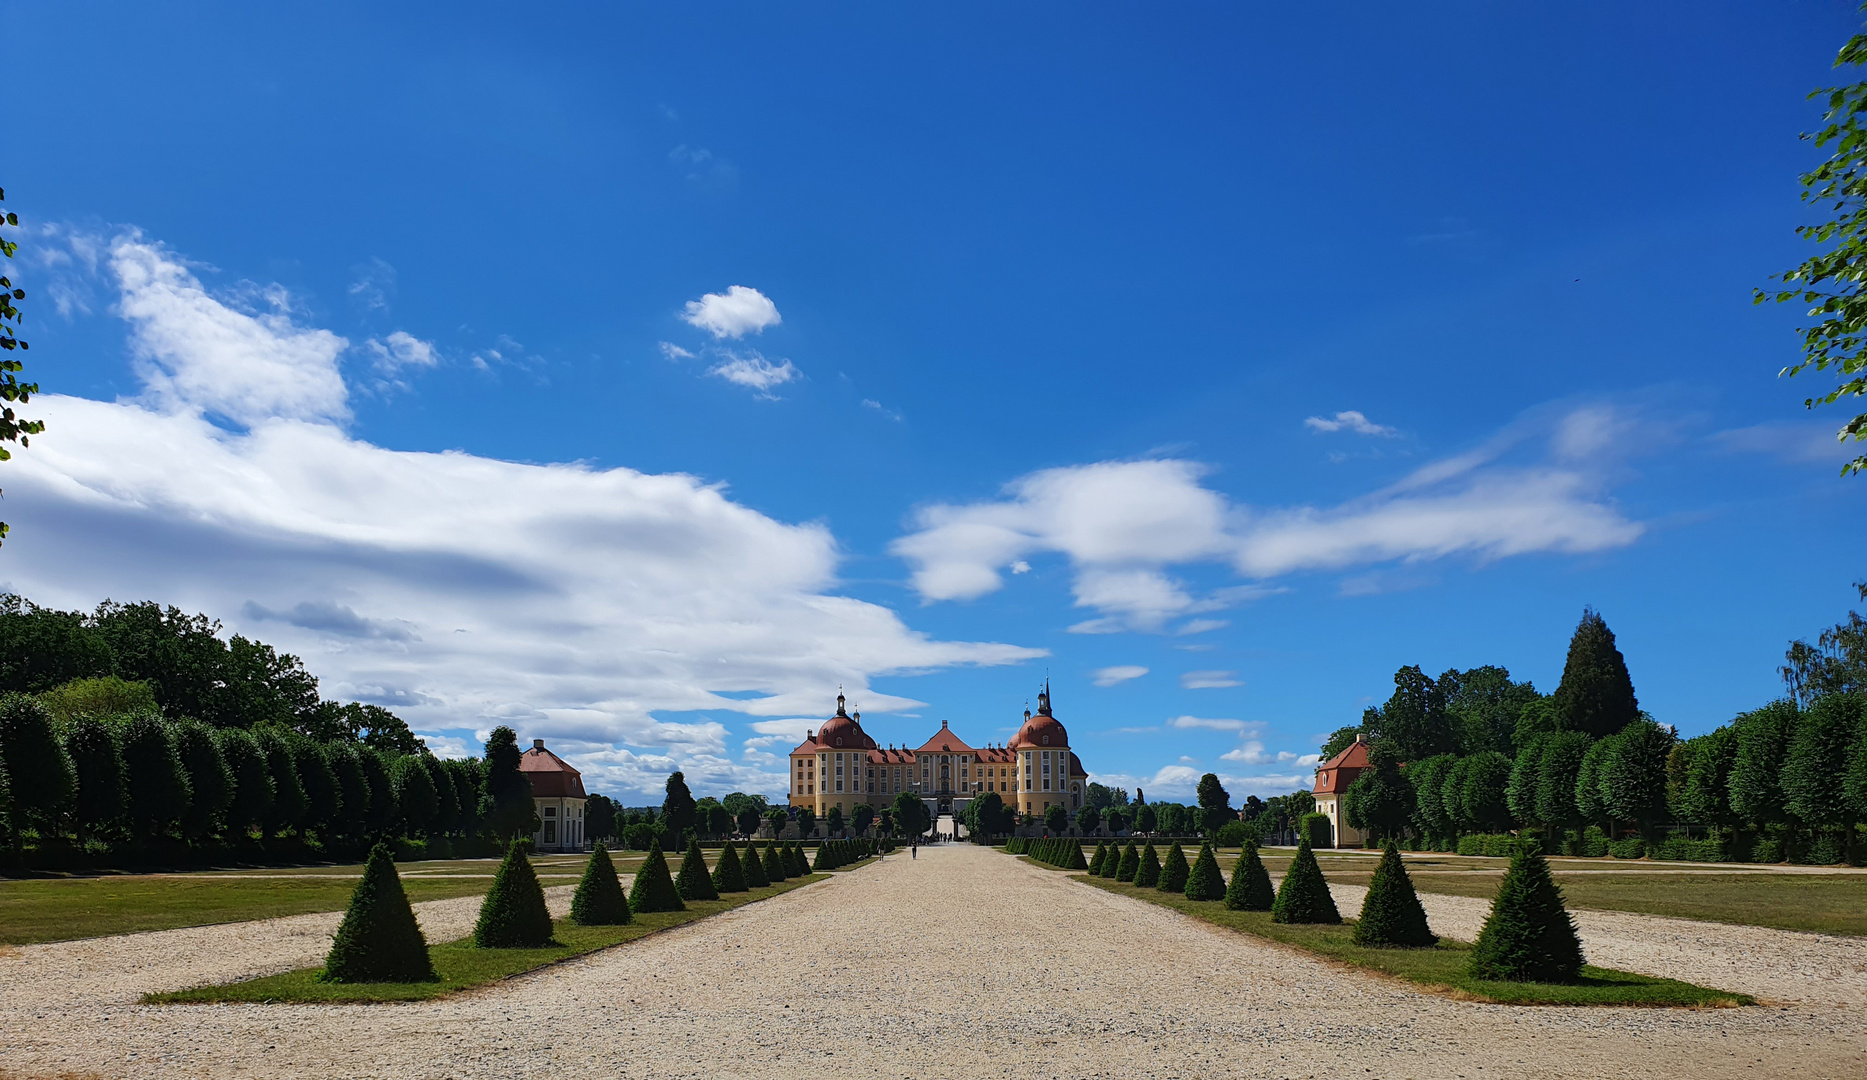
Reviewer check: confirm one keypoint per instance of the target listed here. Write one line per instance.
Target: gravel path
(1772, 965)
(962, 964)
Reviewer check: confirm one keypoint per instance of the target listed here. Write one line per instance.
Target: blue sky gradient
(1005, 247)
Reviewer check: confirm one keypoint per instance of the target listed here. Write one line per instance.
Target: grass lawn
(461, 966)
(1440, 970)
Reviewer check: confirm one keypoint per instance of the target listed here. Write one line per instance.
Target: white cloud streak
(1350, 420)
(1120, 673)
(1124, 525)
(753, 371)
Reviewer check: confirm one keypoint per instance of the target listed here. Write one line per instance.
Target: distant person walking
(914, 851)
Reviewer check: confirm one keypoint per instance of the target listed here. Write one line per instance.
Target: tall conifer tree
(1596, 694)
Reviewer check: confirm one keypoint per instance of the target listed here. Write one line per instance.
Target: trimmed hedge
(654, 889)
(753, 870)
(1391, 914)
(513, 915)
(379, 939)
(1304, 897)
(1529, 936)
(775, 868)
(693, 882)
(1130, 864)
(1174, 871)
(1314, 828)
(728, 875)
(1205, 882)
(1147, 875)
(1250, 887)
(598, 900)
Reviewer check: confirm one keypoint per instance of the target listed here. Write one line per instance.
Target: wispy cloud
(751, 370)
(1120, 673)
(1209, 680)
(1185, 723)
(1350, 420)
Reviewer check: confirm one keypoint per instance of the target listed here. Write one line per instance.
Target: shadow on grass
(1441, 969)
(463, 967)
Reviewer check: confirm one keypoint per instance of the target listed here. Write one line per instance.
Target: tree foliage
(1414, 723)
(13, 427)
(506, 808)
(1835, 664)
(1831, 281)
(1596, 694)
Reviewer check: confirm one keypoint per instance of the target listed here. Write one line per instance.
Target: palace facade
(840, 765)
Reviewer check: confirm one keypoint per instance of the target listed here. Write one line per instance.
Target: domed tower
(831, 766)
(1048, 773)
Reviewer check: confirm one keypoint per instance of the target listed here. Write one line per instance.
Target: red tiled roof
(891, 756)
(808, 746)
(551, 776)
(1039, 731)
(1335, 775)
(997, 753)
(1076, 765)
(945, 742)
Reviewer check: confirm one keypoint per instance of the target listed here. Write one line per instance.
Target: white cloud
(1252, 752)
(1125, 525)
(1185, 723)
(1350, 420)
(1120, 673)
(754, 371)
(674, 352)
(1209, 680)
(201, 354)
(1798, 442)
(732, 314)
(1200, 626)
(401, 350)
(603, 611)
(1020, 567)
(892, 414)
(374, 285)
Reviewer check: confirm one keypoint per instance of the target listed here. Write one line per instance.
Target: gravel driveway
(962, 964)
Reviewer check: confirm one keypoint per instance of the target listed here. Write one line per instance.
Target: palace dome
(1042, 730)
(843, 732)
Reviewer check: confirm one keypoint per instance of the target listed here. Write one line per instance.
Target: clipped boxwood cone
(1391, 914)
(728, 874)
(1147, 876)
(654, 888)
(1304, 897)
(1173, 871)
(753, 870)
(1250, 887)
(1529, 935)
(1205, 882)
(692, 882)
(775, 868)
(379, 940)
(1130, 864)
(513, 915)
(598, 900)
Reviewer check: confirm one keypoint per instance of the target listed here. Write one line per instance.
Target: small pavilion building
(557, 793)
(1332, 780)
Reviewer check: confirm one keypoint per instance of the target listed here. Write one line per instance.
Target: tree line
(1474, 754)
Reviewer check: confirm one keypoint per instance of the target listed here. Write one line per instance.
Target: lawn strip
(463, 967)
(1441, 970)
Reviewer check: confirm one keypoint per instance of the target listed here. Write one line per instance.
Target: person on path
(914, 851)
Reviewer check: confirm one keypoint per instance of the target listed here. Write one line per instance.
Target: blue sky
(636, 378)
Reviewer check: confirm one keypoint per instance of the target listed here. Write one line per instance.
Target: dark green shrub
(754, 871)
(159, 791)
(1250, 887)
(693, 882)
(1678, 847)
(795, 866)
(598, 900)
(513, 915)
(98, 760)
(654, 889)
(1147, 874)
(1173, 871)
(1304, 897)
(1315, 828)
(728, 875)
(1529, 936)
(1205, 882)
(252, 781)
(1073, 857)
(1391, 914)
(210, 781)
(379, 939)
(1130, 864)
(1095, 861)
(1111, 862)
(1631, 848)
(40, 778)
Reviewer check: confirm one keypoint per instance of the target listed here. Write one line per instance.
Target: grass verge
(463, 967)
(1441, 970)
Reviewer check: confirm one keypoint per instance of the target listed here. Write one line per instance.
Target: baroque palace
(840, 765)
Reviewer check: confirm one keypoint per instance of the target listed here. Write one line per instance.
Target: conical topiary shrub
(1147, 875)
(775, 870)
(692, 882)
(1250, 887)
(379, 940)
(1391, 914)
(1073, 858)
(1095, 861)
(1205, 882)
(1111, 863)
(654, 889)
(1529, 935)
(598, 900)
(1173, 871)
(728, 874)
(798, 867)
(826, 858)
(513, 915)
(1304, 897)
(753, 870)
(1130, 864)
